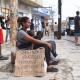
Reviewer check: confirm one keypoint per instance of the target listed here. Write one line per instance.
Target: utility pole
(59, 19)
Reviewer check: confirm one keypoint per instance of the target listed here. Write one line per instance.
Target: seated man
(24, 40)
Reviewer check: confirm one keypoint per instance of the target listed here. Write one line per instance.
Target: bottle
(45, 67)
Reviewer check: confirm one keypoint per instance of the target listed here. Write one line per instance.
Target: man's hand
(49, 45)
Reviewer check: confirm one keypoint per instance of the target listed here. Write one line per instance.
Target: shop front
(39, 15)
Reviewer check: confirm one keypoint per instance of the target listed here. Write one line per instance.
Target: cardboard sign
(30, 62)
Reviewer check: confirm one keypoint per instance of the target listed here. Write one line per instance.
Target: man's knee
(52, 42)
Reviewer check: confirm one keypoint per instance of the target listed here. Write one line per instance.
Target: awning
(31, 3)
(41, 12)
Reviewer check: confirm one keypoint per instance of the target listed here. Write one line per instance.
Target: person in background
(32, 25)
(7, 29)
(1, 41)
(23, 39)
(77, 27)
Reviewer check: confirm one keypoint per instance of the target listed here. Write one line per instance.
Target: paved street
(69, 65)
(68, 51)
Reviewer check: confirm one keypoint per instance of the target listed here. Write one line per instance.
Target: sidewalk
(68, 51)
(69, 65)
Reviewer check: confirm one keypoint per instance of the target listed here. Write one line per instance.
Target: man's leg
(6, 35)
(53, 51)
(0, 50)
(54, 60)
(2, 57)
(47, 52)
(76, 40)
(47, 56)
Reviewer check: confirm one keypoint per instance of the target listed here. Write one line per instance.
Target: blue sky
(69, 7)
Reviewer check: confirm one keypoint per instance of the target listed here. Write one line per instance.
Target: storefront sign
(44, 10)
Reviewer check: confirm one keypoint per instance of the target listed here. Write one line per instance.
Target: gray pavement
(69, 65)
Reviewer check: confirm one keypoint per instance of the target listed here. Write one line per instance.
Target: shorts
(77, 33)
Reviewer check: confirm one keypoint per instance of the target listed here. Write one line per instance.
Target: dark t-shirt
(77, 26)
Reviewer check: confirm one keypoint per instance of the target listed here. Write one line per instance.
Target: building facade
(30, 8)
(24, 6)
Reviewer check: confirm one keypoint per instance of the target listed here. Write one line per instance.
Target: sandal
(54, 62)
(52, 69)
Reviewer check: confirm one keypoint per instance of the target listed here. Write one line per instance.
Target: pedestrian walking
(77, 27)
(1, 42)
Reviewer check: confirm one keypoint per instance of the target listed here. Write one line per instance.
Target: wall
(38, 1)
(25, 10)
